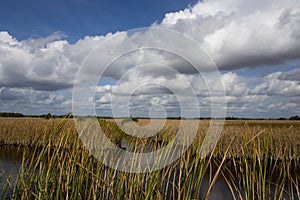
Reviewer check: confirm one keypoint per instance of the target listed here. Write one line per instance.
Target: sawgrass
(257, 160)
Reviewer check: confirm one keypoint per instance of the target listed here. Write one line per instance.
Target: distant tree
(296, 117)
(46, 116)
(11, 114)
(231, 118)
(281, 118)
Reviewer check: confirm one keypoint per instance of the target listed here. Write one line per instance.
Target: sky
(151, 58)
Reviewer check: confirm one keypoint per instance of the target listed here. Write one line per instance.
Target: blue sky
(78, 18)
(253, 45)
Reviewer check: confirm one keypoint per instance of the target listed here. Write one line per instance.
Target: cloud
(274, 85)
(38, 43)
(293, 75)
(244, 33)
(153, 65)
(47, 64)
(242, 98)
(236, 34)
(31, 102)
(234, 84)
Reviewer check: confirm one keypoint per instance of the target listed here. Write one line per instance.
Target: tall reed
(63, 169)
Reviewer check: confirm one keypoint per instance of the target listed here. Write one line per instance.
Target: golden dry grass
(31, 131)
(54, 172)
(276, 137)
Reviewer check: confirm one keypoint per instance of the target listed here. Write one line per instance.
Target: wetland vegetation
(252, 160)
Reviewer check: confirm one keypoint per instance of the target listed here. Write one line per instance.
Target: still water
(10, 162)
(11, 158)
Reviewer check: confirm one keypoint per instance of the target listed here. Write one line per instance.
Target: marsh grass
(261, 172)
(4, 187)
(254, 163)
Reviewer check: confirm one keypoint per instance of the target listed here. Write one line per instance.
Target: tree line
(45, 116)
(70, 115)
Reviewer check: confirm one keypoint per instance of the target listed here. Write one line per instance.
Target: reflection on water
(10, 162)
(11, 157)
